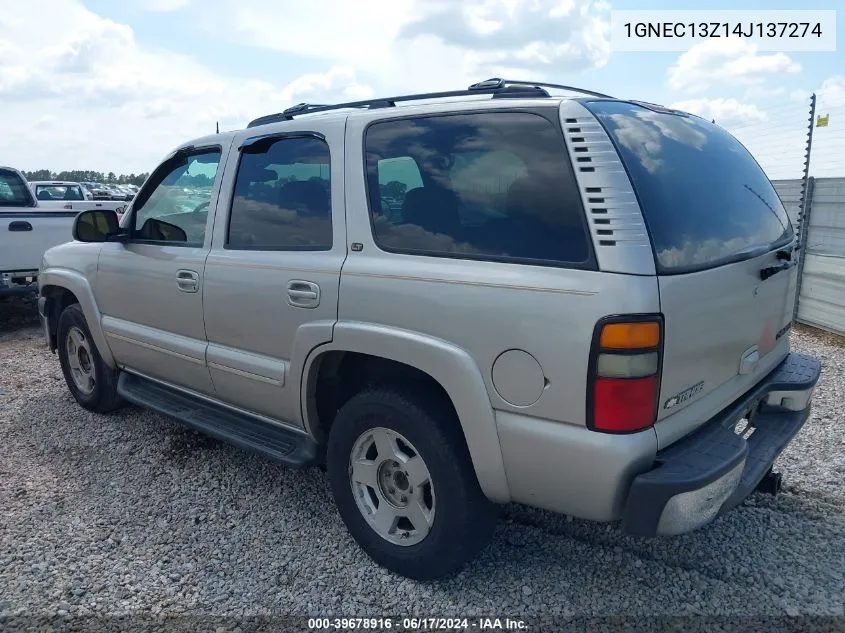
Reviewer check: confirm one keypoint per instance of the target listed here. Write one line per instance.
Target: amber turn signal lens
(630, 335)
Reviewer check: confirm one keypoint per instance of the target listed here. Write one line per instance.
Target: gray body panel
(256, 332)
(713, 319)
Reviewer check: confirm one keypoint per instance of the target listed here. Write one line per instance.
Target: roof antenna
(218, 127)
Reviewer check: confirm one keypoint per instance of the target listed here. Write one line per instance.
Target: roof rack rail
(496, 82)
(496, 87)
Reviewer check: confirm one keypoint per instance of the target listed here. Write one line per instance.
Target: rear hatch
(723, 248)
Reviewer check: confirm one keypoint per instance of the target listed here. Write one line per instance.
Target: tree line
(86, 176)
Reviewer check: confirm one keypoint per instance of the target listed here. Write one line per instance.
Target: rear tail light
(624, 379)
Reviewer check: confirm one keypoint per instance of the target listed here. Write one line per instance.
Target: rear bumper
(714, 469)
(19, 282)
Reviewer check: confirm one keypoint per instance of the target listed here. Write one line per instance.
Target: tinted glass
(282, 198)
(58, 192)
(705, 199)
(495, 186)
(13, 190)
(177, 208)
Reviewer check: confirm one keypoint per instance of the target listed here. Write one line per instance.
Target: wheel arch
(62, 287)
(449, 367)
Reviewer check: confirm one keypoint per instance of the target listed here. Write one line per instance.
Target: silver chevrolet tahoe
(518, 292)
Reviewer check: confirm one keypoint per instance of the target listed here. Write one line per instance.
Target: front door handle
(303, 294)
(20, 225)
(188, 280)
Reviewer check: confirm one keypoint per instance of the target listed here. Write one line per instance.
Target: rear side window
(705, 199)
(495, 186)
(282, 199)
(13, 190)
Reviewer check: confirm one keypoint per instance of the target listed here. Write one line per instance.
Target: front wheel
(404, 485)
(92, 382)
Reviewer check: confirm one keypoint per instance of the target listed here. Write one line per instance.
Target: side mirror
(161, 231)
(95, 225)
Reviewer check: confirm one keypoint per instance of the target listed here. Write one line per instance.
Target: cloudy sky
(112, 86)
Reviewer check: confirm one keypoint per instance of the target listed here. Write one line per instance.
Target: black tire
(104, 397)
(464, 519)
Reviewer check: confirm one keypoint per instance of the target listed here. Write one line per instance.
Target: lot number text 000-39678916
(417, 624)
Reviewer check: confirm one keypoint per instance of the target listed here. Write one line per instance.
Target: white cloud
(532, 36)
(117, 106)
(120, 105)
(726, 61)
(164, 5)
(476, 38)
(832, 92)
(723, 110)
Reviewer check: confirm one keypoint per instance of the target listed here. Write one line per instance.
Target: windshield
(705, 199)
(13, 190)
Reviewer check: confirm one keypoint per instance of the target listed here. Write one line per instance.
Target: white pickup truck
(61, 195)
(27, 229)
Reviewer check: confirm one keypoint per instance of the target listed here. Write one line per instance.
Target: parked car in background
(98, 191)
(70, 196)
(28, 228)
(127, 193)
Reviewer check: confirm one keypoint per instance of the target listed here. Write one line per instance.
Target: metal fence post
(805, 205)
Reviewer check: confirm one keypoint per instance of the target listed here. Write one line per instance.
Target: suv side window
(495, 186)
(282, 198)
(176, 208)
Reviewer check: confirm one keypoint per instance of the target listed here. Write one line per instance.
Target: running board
(244, 431)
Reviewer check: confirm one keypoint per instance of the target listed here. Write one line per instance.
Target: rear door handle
(303, 294)
(188, 280)
(20, 225)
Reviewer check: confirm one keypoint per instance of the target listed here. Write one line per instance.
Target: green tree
(38, 174)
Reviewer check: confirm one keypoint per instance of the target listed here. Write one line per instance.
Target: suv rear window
(494, 186)
(705, 199)
(13, 190)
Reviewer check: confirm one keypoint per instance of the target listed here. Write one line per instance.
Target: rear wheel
(404, 485)
(92, 382)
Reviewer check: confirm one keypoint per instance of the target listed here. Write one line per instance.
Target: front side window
(176, 208)
(282, 198)
(495, 186)
(13, 190)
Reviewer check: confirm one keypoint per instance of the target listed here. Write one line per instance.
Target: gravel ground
(132, 513)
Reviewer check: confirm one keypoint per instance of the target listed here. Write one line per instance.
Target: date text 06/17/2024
(417, 624)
